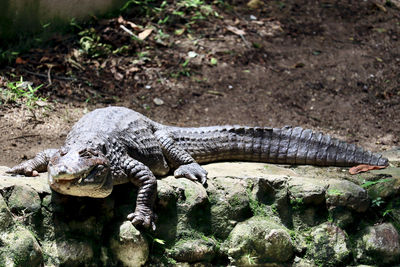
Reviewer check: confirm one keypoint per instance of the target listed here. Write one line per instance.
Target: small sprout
(44, 26)
(159, 241)
(163, 21)
(179, 31)
(257, 45)
(377, 202)
(184, 64)
(213, 61)
(370, 183)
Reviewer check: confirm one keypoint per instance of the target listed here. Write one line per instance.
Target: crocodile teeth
(80, 180)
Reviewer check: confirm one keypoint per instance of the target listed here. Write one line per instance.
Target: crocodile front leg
(186, 166)
(140, 175)
(33, 166)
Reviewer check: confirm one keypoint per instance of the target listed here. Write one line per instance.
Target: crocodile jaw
(72, 174)
(95, 183)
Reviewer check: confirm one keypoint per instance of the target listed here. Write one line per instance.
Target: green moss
(297, 204)
(257, 208)
(327, 245)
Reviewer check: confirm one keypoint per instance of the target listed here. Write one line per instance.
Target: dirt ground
(332, 66)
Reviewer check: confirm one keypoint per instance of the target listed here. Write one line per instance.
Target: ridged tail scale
(285, 145)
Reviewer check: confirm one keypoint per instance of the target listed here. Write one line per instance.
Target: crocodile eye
(63, 151)
(85, 153)
(88, 153)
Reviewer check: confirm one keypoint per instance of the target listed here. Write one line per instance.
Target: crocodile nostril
(62, 169)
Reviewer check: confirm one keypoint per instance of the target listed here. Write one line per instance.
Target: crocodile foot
(145, 218)
(192, 171)
(25, 168)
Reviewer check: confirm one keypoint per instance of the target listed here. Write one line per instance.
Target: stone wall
(250, 213)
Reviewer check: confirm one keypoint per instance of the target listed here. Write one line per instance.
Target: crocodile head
(80, 172)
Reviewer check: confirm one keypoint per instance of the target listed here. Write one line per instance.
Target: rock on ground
(258, 240)
(381, 241)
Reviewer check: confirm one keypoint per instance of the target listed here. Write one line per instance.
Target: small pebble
(192, 54)
(158, 101)
(148, 87)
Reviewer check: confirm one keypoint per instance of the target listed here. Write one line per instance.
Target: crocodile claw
(24, 169)
(192, 171)
(143, 218)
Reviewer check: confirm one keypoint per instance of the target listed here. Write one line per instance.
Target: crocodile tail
(287, 145)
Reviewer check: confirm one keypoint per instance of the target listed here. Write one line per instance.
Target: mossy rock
(378, 244)
(69, 252)
(192, 208)
(385, 187)
(258, 240)
(128, 245)
(229, 204)
(309, 191)
(328, 245)
(347, 194)
(195, 250)
(24, 199)
(6, 218)
(20, 248)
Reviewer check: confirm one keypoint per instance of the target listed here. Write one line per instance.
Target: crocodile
(116, 145)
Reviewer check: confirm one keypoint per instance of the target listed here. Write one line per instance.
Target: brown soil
(327, 65)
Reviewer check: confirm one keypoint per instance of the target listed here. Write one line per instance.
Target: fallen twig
(47, 76)
(129, 31)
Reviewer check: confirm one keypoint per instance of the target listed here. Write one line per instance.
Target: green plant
(251, 259)
(367, 184)
(377, 202)
(257, 208)
(91, 44)
(293, 235)
(297, 203)
(334, 192)
(161, 35)
(387, 212)
(20, 92)
(330, 217)
(8, 56)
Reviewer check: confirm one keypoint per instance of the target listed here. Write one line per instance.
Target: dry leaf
(118, 76)
(43, 59)
(364, 168)
(19, 60)
(258, 22)
(380, 6)
(131, 70)
(121, 20)
(144, 34)
(134, 26)
(235, 30)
